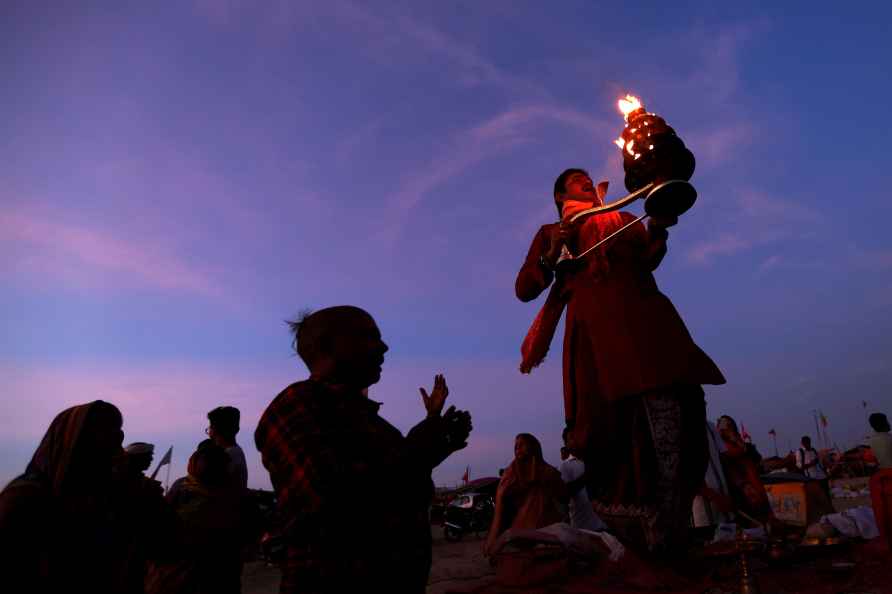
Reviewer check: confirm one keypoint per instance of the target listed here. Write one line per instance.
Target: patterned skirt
(646, 459)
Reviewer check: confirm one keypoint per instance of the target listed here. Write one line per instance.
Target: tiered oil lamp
(654, 155)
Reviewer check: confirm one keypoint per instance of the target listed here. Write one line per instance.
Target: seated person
(582, 514)
(216, 524)
(529, 493)
(740, 462)
(713, 505)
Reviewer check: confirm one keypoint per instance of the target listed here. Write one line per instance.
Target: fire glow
(628, 104)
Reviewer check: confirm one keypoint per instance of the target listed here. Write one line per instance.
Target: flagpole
(167, 480)
(164, 460)
(814, 414)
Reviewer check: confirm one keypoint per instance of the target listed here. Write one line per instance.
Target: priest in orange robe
(633, 399)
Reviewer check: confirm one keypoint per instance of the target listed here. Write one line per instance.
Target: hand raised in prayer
(437, 399)
(458, 428)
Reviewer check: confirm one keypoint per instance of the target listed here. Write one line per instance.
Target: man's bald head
(342, 340)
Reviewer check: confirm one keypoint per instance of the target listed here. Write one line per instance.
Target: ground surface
(457, 565)
(461, 567)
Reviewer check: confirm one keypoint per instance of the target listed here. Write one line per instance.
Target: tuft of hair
(312, 330)
(294, 326)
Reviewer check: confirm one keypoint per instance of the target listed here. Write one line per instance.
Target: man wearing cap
(139, 457)
(145, 523)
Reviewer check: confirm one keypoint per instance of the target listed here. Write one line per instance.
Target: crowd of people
(84, 514)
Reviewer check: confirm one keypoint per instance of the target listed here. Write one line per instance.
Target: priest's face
(579, 186)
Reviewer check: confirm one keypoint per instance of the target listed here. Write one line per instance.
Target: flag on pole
(823, 420)
(744, 434)
(164, 460)
(863, 404)
(467, 477)
(772, 433)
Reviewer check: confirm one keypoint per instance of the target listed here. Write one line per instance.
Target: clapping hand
(457, 428)
(434, 403)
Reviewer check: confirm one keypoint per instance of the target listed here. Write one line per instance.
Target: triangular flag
(164, 460)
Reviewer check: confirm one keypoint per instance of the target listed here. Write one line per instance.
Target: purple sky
(178, 178)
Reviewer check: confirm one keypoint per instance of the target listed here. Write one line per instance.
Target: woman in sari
(57, 528)
(740, 461)
(529, 492)
(215, 525)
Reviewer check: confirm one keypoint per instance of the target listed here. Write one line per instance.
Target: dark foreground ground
(862, 568)
(457, 565)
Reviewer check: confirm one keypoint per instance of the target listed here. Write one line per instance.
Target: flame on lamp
(628, 104)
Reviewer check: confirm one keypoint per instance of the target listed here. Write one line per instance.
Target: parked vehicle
(468, 512)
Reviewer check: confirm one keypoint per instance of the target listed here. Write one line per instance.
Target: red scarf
(592, 230)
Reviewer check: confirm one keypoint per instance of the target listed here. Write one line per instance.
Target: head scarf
(52, 459)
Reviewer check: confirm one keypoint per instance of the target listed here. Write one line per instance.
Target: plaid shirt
(353, 493)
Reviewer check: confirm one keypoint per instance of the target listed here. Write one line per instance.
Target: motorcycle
(470, 512)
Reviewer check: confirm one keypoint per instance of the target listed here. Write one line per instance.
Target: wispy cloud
(758, 219)
(394, 36)
(718, 145)
(494, 136)
(44, 249)
(725, 244)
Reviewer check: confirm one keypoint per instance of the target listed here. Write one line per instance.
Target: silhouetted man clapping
(353, 492)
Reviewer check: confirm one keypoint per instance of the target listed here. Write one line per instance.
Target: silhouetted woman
(57, 527)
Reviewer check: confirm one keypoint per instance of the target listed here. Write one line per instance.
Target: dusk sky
(177, 179)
